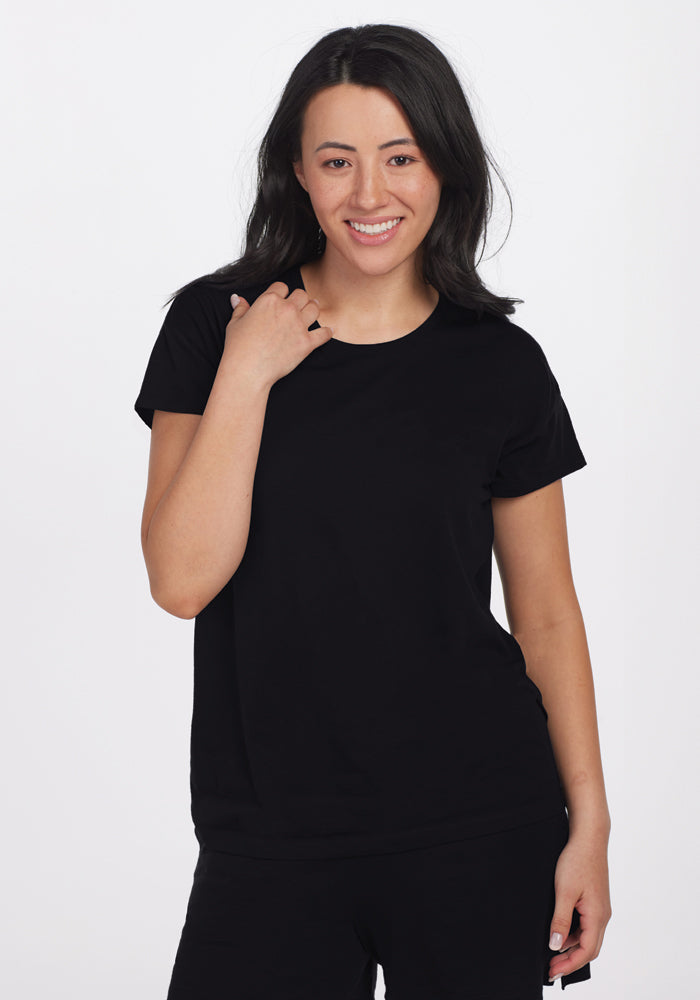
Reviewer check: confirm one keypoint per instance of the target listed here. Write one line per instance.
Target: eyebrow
(332, 144)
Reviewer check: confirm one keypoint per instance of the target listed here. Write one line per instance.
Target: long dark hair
(282, 229)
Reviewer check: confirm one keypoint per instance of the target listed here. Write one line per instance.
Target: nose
(370, 187)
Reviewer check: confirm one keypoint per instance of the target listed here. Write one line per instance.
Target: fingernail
(234, 300)
(554, 978)
(556, 941)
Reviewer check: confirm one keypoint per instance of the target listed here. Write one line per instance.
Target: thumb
(322, 334)
(561, 923)
(240, 306)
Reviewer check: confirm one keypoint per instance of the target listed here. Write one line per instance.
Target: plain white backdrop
(129, 139)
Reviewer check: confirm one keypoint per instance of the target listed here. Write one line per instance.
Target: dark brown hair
(282, 229)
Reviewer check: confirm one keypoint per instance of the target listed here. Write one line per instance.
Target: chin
(373, 263)
(378, 268)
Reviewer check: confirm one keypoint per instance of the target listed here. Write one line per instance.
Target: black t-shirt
(353, 692)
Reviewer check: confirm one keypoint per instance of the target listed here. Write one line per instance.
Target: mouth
(374, 228)
(374, 234)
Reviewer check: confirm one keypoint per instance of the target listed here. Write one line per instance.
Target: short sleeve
(540, 445)
(184, 359)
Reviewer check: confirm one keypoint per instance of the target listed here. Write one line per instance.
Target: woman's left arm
(532, 553)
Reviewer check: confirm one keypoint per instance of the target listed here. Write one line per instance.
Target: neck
(385, 298)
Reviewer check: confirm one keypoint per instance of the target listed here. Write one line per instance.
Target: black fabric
(463, 919)
(353, 693)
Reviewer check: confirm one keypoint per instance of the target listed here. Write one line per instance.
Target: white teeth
(379, 227)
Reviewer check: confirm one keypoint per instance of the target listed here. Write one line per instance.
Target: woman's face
(360, 164)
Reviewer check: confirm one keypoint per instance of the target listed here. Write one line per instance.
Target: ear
(299, 171)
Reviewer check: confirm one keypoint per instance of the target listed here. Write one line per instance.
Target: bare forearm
(199, 530)
(558, 661)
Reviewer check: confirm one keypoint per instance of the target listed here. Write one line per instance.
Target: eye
(337, 160)
(399, 156)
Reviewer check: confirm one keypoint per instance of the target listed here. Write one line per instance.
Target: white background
(129, 134)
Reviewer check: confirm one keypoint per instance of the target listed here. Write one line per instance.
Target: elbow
(179, 605)
(177, 600)
(181, 602)
(184, 602)
(181, 594)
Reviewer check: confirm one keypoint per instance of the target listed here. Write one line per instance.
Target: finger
(571, 940)
(311, 311)
(322, 334)
(278, 288)
(565, 965)
(563, 957)
(300, 297)
(575, 960)
(569, 945)
(585, 948)
(562, 920)
(239, 305)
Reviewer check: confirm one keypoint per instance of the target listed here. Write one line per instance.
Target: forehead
(350, 111)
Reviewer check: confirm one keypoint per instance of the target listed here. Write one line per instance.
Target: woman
(376, 777)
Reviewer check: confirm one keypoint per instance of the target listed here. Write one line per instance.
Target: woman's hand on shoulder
(272, 335)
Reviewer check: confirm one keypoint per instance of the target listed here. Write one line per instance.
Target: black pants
(466, 920)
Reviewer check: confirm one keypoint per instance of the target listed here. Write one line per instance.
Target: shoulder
(209, 297)
(509, 338)
(200, 311)
(498, 363)
(495, 339)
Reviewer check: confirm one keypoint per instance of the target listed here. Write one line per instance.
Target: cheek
(425, 187)
(428, 194)
(325, 192)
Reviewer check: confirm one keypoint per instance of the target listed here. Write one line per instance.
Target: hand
(273, 335)
(580, 882)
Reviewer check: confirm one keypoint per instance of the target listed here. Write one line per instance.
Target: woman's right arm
(196, 514)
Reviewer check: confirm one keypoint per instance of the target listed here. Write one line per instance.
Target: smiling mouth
(374, 229)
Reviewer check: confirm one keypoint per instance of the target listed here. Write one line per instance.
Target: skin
(532, 555)
(363, 184)
(196, 514)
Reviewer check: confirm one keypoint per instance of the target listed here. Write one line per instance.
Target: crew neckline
(349, 345)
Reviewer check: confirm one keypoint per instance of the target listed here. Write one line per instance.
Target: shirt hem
(334, 846)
